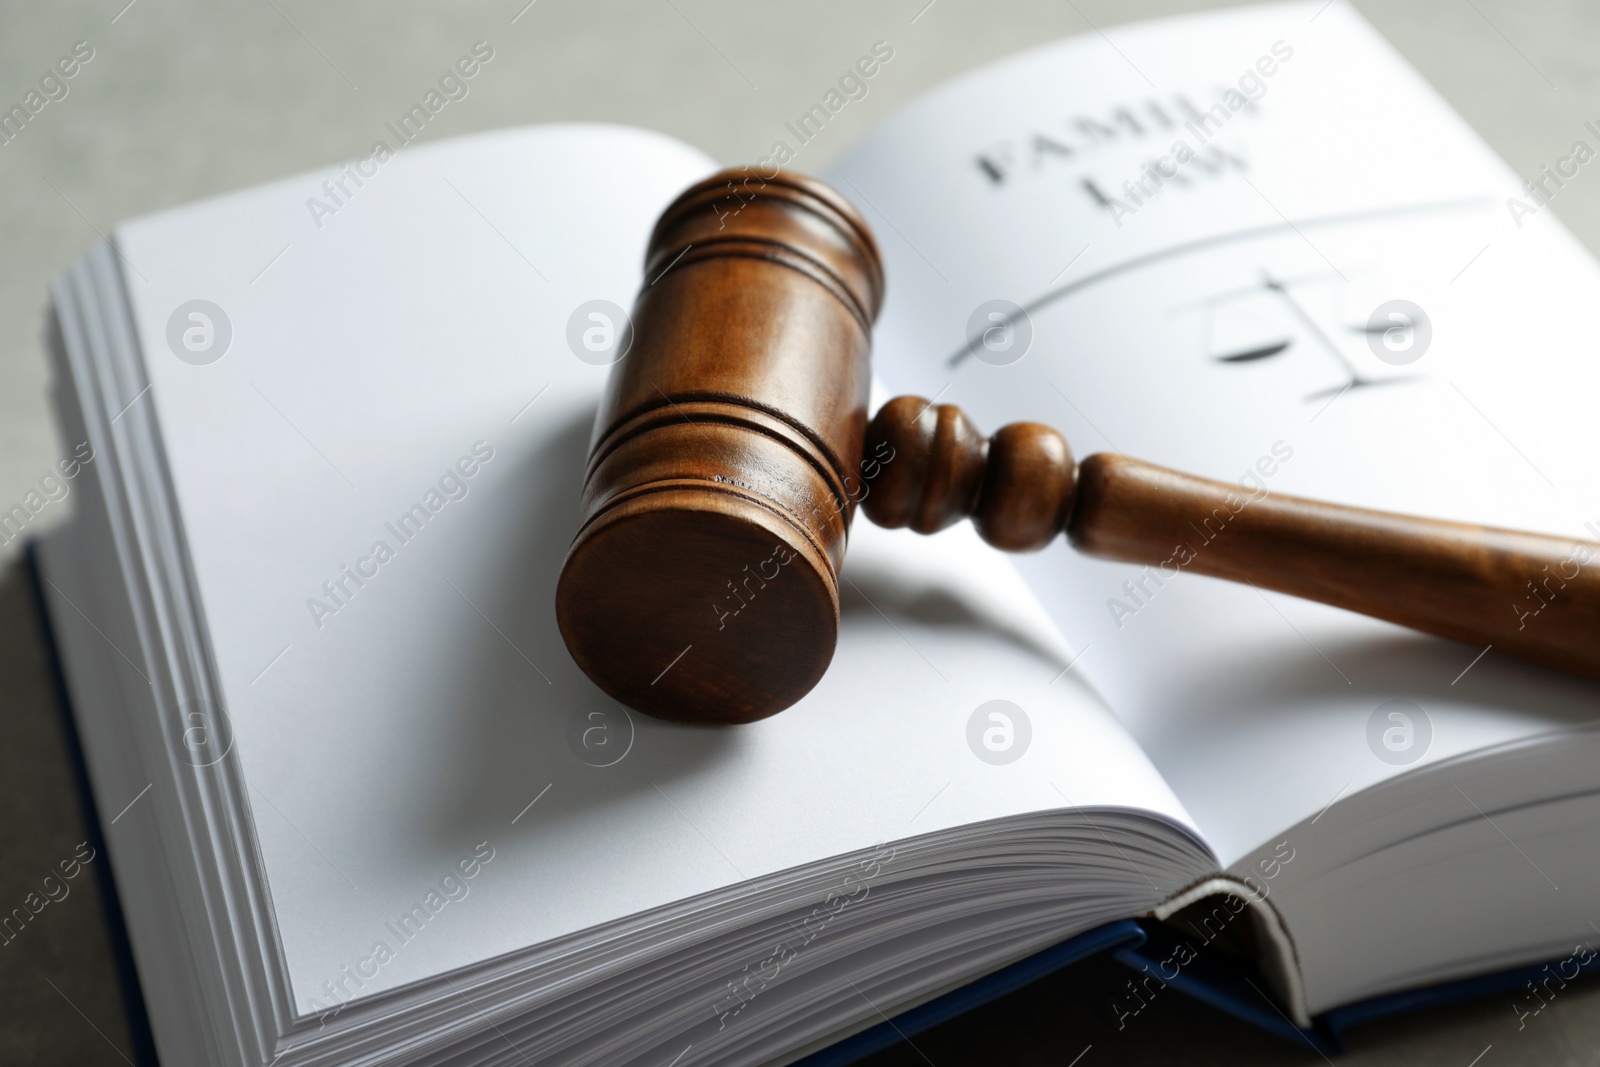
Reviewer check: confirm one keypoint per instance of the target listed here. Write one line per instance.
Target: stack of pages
(362, 808)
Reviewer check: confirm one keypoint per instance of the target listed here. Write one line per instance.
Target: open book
(363, 808)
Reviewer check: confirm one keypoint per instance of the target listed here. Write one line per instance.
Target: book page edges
(1279, 963)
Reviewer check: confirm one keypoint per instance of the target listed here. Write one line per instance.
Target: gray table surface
(185, 99)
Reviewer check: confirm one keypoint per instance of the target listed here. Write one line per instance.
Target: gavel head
(726, 461)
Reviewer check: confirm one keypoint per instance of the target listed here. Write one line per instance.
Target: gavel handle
(1528, 595)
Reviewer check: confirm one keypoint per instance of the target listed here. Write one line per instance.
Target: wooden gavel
(732, 447)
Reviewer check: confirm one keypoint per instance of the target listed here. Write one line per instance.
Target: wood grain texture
(1017, 486)
(1532, 596)
(732, 447)
(703, 582)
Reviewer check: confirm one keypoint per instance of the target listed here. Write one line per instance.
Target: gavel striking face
(732, 448)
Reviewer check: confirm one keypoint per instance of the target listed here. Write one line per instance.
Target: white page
(430, 712)
(1346, 183)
